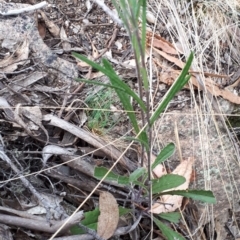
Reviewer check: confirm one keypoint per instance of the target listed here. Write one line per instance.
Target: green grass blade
(117, 82)
(109, 72)
(165, 153)
(141, 139)
(144, 24)
(124, 98)
(177, 86)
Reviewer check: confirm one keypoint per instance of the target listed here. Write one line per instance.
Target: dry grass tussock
(211, 30)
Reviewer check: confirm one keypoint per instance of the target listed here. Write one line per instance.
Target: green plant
(100, 120)
(130, 11)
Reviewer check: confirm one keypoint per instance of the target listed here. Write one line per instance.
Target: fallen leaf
(169, 77)
(172, 59)
(159, 42)
(109, 215)
(42, 29)
(169, 203)
(65, 43)
(52, 27)
(94, 51)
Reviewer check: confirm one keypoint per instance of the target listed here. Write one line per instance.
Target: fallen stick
(23, 10)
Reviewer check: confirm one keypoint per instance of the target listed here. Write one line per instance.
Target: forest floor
(55, 129)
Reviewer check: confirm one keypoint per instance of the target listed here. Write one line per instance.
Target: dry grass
(210, 29)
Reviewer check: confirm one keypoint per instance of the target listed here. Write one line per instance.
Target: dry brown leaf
(109, 215)
(225, 93)
(169, 203)
(42, 29)
(170, 76)
(52, 27)
(65, 43)
(172, 59)
(94, 52)
(10, 63)
(159, 42)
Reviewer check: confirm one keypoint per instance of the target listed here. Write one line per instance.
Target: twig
(40, 225)
(23, 10)
(109, 12)
(59, 212)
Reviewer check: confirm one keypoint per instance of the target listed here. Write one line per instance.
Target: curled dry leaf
(169, 203)
(50, 150)
(109, 215)
(52, 27)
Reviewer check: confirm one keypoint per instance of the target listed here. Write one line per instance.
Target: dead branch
(109, 12)
(57, 211)
(23, 10)
(39, 225)
(110, 150)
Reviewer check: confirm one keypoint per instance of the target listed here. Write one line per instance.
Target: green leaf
(200, 195)
(173, 217)
(144, 24)
(168, 232)
(167, 182)
(109, 72)
(100, 172)
(125, 100)
(116, 81)
(165, 153)
(177, 86)
(137, 174)
(90, 217)
(90, 220)
(139, 139)
(124, 211)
